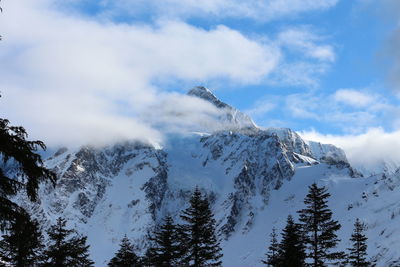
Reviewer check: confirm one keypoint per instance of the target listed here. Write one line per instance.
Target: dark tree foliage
(125, 256)
(16, 149)
(292, 248)
(273, 251)
(66, 247)
(167, 247)
(358, 252)
(320, 228)
(201, 247)
(22, 245)
(148, 259)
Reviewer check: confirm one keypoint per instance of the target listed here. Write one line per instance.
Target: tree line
(314, 238)
(193, 243)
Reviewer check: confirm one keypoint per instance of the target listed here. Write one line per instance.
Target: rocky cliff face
(126, 188)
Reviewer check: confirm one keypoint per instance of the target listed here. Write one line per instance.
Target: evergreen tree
(273, 251)
(125, 256)
(23, 244)
(292, 249)
(320, 228)
(358, 252)
(66, 248)
(16, 150)
(148, 259)
(198, 234)
(167, 250)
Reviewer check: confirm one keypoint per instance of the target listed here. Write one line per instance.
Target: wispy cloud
(306, 43)
(353, 97)
(352, 111)
(307, 56)
(260, 10)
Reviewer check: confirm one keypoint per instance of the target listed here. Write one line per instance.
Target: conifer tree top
(358, 251)
(125, 256)
(319, 227)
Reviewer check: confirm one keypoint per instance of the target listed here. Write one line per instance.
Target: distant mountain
(253, 177)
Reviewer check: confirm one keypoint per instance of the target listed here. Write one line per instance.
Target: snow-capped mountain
(253, 177)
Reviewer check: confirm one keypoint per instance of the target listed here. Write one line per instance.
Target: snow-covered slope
(253, 177)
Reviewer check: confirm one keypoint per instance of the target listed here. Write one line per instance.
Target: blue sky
(83, 70)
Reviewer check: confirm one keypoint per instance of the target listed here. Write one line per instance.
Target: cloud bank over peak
(72, 78)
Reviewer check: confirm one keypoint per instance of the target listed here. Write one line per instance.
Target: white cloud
(74, 79)
(179, 113)
(373, 150)
(306, 42)
(261, 10)
(353, 97)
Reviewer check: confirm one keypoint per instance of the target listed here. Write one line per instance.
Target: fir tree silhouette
(199, 240)
(320, 228)
(358, 252)
(273, 251)
(167, 247)
(125, 256)
(66, 247)
(23, 244)
(292, 248)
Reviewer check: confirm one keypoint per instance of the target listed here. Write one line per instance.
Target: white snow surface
(253, 177)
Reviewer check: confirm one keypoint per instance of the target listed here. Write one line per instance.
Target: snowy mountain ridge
(253, 177)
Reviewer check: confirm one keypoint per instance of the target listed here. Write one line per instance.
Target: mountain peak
(230, 114)
(205, 94)
(200, 91)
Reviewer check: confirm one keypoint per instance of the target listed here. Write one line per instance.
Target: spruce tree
(66, 248)
(125, 256)
(320, 228)
(358, 252)
(292, 249)
(167, 248)
(22, 245)
(198, 234)
(273, 251)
